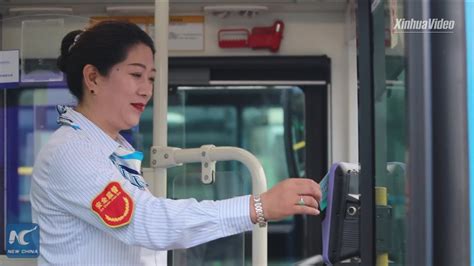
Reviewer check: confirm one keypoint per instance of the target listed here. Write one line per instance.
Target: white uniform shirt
(74, 167)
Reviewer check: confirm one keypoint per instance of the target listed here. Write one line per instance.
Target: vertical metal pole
(381, 200)
(351, 44)
(419, 235)
(316, 149)
(366, 133)
(160, 96)
(450, 155)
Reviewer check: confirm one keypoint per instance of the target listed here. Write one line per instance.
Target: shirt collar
(97, 135)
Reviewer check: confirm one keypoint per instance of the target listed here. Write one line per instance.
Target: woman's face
(127, 88)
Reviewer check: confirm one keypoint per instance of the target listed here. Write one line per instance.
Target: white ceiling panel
(98, 6)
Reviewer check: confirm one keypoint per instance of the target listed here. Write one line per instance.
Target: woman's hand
(289, 197)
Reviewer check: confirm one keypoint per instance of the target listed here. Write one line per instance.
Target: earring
(92, 91)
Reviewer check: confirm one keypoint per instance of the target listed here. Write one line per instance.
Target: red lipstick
(139, 106)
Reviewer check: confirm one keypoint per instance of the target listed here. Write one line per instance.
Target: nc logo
(22, 240)
(20, 237)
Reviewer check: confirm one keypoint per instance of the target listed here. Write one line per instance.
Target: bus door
(266, 105)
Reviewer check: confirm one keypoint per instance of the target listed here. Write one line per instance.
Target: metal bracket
(208, 166)
(163, 157)
(166, 157)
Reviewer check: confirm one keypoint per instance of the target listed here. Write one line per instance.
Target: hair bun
(66, 43)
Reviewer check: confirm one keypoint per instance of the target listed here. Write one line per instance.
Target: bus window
(390, 140)
(251, 117)
(30, 118)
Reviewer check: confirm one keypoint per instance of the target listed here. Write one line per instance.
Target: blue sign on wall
(22, 240)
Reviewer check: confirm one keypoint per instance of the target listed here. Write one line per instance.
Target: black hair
(103, 45)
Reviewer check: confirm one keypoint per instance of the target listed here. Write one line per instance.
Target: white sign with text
(186, 33)
(9, 66)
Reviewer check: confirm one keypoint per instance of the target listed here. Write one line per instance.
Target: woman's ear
(91, 78)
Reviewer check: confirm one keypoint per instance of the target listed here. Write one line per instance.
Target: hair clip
(75, 41)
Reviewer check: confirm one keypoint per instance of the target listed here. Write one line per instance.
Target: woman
(87, 194)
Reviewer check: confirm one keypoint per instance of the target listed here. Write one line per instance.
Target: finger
(319, 193)
(306, 210)
(308, 186)
(307, 201)
(317, 190)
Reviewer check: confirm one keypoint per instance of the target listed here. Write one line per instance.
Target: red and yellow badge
(113, 205)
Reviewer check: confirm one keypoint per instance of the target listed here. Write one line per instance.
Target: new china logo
(22, 240)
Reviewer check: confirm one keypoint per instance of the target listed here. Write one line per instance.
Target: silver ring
(301, 202)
